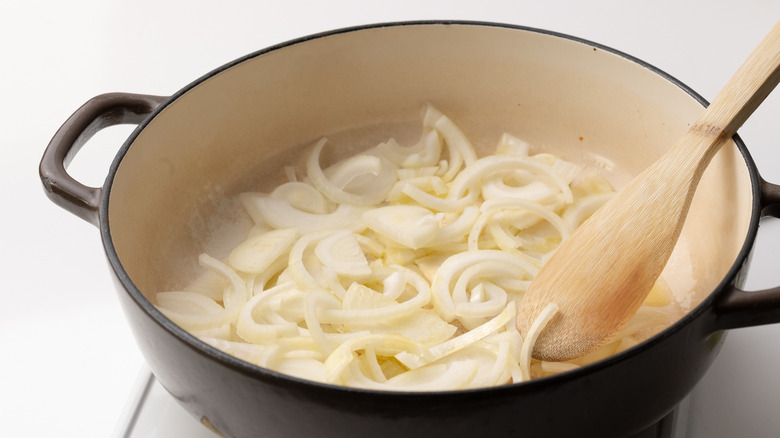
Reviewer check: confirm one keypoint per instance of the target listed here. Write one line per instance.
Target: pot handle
(97, 113)
(738, 308)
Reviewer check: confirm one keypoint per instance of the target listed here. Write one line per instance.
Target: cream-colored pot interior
(175, 189)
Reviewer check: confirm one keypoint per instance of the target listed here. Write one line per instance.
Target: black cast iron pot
(171, 189)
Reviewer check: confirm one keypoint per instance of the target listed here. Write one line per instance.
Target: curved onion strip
(301, 196)
(374, 369)
(332, 191)
(248, 352)
(195, 312)
(369, 183)
(429, 184)
(424, 153)
(511, 337)
(420, 325)
(209, 283)
(503, 361)
(493, 206)
(508, 144)
(318, 299)
(261, 280)
(280, 214)
(544, 317)
(249, 201)
(346, 316)
(459, 147)
(310, 369)
(385, 345)
(223, 332)
(345, 171)
(470, 178)
(453, 267)
(394, 285)
(458, 343)
(580, 210)
(258, 252)
(491, 302)
(260, 332)
(429, 153)
(502, 235)
(566, 169)
(491, 358)
(439, 377)
(450, 376)
(439, 204)
(235, 296)
(191, 310)
(408, 225)
(537, 191)
(296, 264)
(342, 253)
(457, 230)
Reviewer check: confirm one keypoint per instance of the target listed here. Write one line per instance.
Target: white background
(68, 361)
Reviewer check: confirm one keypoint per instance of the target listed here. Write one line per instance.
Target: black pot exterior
(618, 397)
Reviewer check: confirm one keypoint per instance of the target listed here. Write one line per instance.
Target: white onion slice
(258, 252)
(408, 225)
(541, 321)
(302, 196)
(445, 280)
(412, 360)
(379, 187)
(342, 253)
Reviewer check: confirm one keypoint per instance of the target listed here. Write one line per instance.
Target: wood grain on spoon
(602, 273)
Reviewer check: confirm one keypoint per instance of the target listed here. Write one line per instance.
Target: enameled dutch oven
(170, 192)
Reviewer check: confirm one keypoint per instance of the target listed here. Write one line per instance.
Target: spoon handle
(602, 273)
(742, 94)
(747, 88)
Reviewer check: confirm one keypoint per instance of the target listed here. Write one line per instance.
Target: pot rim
(270, 376)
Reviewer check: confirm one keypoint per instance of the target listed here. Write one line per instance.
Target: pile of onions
(400, 268)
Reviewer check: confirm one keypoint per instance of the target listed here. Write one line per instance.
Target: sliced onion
(450, 376)
(342, 253)
(490, 208)
(541, 321)
(373, 194)
(459, 147)
(446, 278)
(472, 176)
(424, 153)
(261, 331)
(386, 345)
(302, 196)
(581, 209)
(511, 145)
(429, 184)
(280, 214)
(439, 204)
(412, 361)
(456, 230)
(348, 315)
(258, 252)
(408, 225)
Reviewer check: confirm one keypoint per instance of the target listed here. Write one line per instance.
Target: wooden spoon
(602, 273)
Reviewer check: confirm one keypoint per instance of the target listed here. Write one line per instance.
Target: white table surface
(69, 362)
